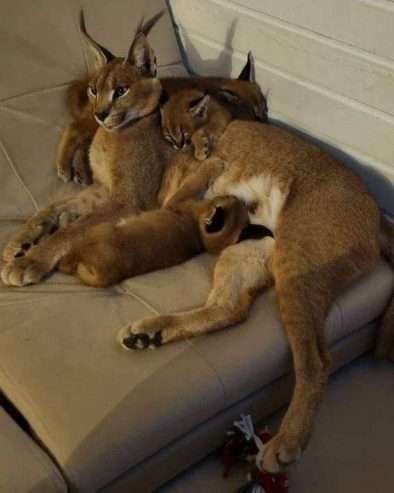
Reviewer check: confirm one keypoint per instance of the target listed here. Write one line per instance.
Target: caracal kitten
(110, 252)
(193, 117)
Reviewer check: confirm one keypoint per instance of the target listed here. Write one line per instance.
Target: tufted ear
(164, 97)
(142, 56)
(248, 72)
(199, 107)
(102, 55)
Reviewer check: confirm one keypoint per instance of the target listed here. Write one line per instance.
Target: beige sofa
(102, 419)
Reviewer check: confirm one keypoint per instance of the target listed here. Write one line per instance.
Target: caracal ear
(228, 96)
(248, 72)
(142, 56)
(102, 56)
(164, 97)
(199, 107)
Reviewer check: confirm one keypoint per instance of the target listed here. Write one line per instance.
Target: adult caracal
(328, 230)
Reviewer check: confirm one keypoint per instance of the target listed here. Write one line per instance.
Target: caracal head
(184, 113)
(123, 89)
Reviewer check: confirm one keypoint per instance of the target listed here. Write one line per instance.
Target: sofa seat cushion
(24, 467)
(101, 410)
(255, 353)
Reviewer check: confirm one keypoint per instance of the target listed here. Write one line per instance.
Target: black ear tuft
(248, 72)
(102, 55)
(145, 27)
(164, 97)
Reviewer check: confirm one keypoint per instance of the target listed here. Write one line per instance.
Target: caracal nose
(102, 115)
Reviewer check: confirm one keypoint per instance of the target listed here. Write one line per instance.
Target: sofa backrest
(41, 45)
(42, 51)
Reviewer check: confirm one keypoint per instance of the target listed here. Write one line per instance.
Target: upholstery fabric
(24, 467)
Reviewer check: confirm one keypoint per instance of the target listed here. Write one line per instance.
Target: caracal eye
(92, 91)
(120, 91)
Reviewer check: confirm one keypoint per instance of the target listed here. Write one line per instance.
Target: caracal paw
(279, 453)
(23, 271)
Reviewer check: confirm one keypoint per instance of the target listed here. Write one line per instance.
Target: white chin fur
(111, 128)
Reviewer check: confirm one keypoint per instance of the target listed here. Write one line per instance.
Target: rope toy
(245, 445)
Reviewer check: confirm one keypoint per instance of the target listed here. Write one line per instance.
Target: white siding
(328, 65)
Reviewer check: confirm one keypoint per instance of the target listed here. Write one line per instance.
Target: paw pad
(143, 341)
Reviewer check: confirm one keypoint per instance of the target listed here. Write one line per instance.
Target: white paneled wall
(327, 65)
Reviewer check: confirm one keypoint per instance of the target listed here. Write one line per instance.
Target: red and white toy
(244, 445)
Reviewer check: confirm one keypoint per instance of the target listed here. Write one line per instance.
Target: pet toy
(245, 445)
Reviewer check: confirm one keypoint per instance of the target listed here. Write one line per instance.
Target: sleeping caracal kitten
(328, 230)
(193, 117)
(110, 252)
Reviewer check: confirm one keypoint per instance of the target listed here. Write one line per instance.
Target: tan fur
(193, 117)
(243, 99)
(113, 251)
(109, 253)
(241, 272)
(327, 227)
(72, 161)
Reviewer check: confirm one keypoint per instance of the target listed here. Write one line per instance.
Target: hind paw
(136, 337)
(279, 453)
(142, 341)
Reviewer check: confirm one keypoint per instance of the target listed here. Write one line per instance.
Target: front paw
(23, 271)
(30, 235)
(65, 172)
(136, 337)
(15, 249)
(82, 174)
(280, 452)
(202, 146)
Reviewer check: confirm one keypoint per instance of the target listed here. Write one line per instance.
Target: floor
(351, 451)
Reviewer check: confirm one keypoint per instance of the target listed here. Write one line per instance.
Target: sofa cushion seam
(17, 175)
